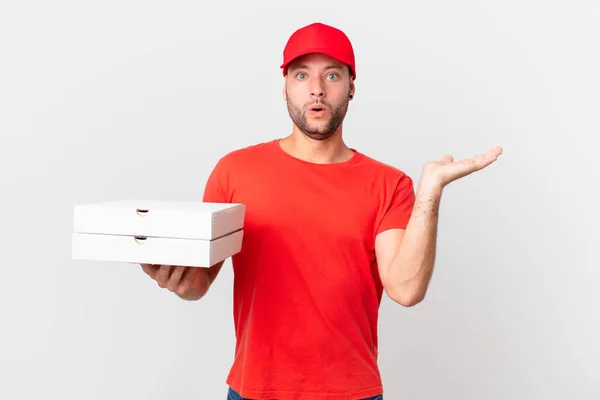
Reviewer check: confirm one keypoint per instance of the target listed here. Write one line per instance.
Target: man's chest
(319, 207)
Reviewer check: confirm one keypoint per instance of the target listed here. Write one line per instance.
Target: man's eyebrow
(298, 66)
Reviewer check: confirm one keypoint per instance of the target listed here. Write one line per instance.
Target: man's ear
(283, 92)
(352, 90)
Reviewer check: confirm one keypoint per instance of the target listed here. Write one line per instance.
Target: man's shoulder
(383, 168)
(248, 153)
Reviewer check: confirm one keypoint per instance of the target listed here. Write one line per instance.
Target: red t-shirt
(306, 284)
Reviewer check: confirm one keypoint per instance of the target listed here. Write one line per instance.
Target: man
(327, 230)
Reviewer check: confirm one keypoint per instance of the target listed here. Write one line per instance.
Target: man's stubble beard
(298, 115)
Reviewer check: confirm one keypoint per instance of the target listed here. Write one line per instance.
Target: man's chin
(318, 135)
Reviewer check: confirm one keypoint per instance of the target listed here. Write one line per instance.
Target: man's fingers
(447, 159)
(175, 278)
(162, 276)
(489, 157)
(178, 279)
(479, 162)
(190, 280)
(496, 151)
(150, 269)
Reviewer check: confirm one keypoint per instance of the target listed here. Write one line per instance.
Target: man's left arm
(406, 256)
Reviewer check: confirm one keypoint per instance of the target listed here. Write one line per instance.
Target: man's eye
(300, 75)
(332, 76)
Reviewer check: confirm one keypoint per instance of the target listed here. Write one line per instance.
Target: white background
(112, 99)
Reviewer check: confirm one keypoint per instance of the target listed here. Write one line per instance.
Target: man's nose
(317, 89)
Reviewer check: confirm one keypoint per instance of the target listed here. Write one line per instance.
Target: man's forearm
(412, 266)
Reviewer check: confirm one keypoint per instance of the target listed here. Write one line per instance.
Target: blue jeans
(233, 395)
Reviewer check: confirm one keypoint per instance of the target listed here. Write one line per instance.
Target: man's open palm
(447, 170)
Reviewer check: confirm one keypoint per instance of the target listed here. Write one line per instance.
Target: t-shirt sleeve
(216, 189)
(399, 208)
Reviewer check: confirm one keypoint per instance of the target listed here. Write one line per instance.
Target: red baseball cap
(319, 38)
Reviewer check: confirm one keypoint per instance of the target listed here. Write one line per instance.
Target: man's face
(317, 91)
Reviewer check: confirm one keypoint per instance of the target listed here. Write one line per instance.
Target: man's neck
(328, 151)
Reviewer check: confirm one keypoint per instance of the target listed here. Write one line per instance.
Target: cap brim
(304, 52)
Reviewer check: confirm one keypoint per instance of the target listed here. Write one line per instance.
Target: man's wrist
(429, 190)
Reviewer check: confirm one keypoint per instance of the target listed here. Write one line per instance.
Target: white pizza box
(195, 234)
(155, 250)
(170, 219)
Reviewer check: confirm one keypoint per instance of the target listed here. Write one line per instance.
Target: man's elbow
(405, 298)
